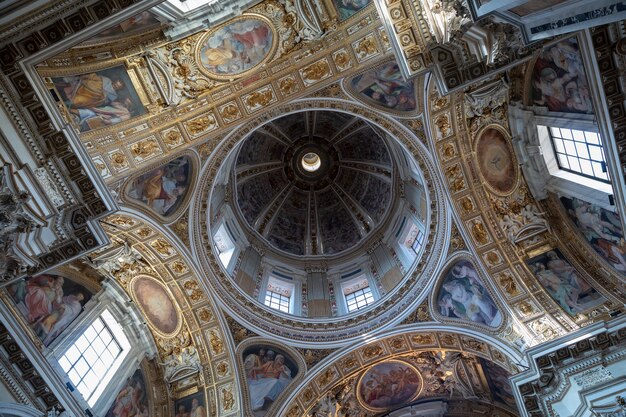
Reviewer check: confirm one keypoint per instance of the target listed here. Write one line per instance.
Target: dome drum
(306, 243)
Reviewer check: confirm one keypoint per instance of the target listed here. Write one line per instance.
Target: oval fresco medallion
(496, 161)
(385, 87)
(236, 47)
(156, 304)
(388, 385)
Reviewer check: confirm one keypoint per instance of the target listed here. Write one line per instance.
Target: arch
(402, 340)
(19, 410)
(218, 350)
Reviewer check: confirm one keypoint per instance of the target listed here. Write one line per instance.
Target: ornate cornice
(550, 381)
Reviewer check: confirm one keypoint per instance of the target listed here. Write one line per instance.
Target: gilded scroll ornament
(217, 346)
(288, 85)
(372, 351)
(173, 138)
(455, 178)
(144, 149)
(230, 112)
(259, 99)
(508, 284)
(316, 72)
(327, 377)
(118, 160)
(366, 48)
(342, 60)
(422, 339)
(467, 204)
(200, 124)
(162, 247)
(480, 232)
(228, 400)
(444, 126)
(205, 315)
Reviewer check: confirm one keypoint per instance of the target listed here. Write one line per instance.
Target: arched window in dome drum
(279, 295)
(357, 293)
(225, 245)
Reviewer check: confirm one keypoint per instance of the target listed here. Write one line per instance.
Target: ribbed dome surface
(314, 212)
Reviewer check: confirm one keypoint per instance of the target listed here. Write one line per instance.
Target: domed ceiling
(314, 183)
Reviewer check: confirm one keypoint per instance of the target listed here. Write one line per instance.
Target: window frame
(223, 229)
(367, 294)
(603, 162)
(117, 336)
(272, 296)
(288, 286)
(114, 299)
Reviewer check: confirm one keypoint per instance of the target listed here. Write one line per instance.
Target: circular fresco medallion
(156, 305)
(388, 385)
(496, 161)
(236, 47)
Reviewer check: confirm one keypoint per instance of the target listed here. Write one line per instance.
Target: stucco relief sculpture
(528, 223)
(15, 218)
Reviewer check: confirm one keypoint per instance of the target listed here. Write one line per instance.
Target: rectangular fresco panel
(49, 303)
(347, 8)
(564, 283)
(136, 23)
(498, 381)
(601, 228)
(191, 406)
(559, 79)
(99, 99)
(132, 399)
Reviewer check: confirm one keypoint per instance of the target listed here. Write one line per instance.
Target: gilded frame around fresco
(133, 292)
(511, 154)
(131, 202)
(227, 77)
(359, 383)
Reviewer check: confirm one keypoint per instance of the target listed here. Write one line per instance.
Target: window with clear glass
(359, 299)
(580, 152)
(419, 241)
(277, 301)
(224, 244)
(95, 356)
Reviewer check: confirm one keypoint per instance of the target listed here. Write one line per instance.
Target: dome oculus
(311, 162)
